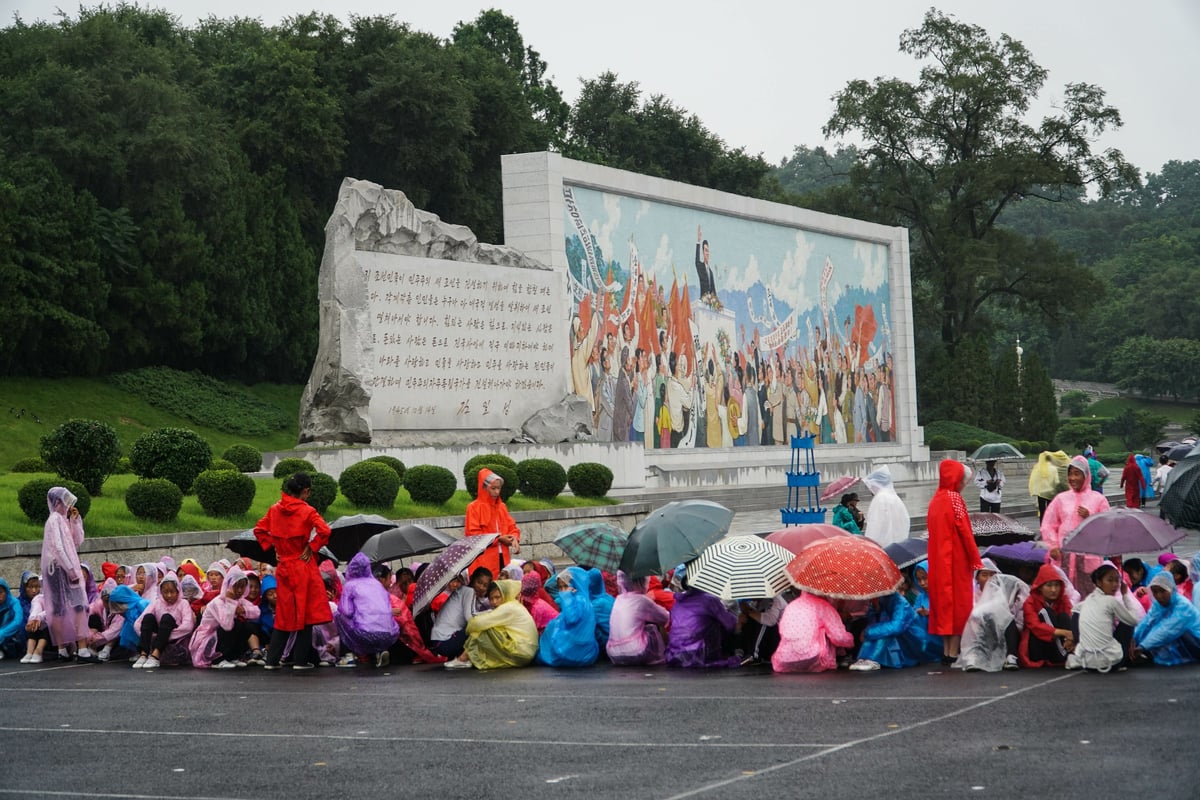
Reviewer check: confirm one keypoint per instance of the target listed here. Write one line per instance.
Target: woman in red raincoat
(488, 514)
(953, 559)
(300, 598)
(1133, 482)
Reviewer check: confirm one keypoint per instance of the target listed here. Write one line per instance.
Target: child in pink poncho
(636, 624)
(63, 590)
(222, 634)
(810, 631)
(531, 597)
(1064, 514)
(164, 627)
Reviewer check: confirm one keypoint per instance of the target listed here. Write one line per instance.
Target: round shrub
(470, 469)
(392, 462)
(324, 491)
(940, 443)
(123, 466)
(221, 464)
(32, 464)
(247, 458)
(541, 477)
(370, 483)
(290, 466)
(155, 499)
(83, 450)
(512, 482)
(590, 479)
(32, 497)
(177, 454)
(224, 493)
(429, 484)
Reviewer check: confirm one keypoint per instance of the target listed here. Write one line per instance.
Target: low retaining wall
(538, 529)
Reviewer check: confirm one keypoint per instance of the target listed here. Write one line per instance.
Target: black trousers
(232, 643)
(301, 650)
(986, 507)
(156, 633)
(1053, 650)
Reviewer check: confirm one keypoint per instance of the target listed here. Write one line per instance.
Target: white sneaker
(35, 659)
(1, 655)
(454, 663)
(348, 661)
(382, 659)
(151, 663)
(85, 653)
(864, 665)
(1011, 663)
(224, 665)
(25, 659)
(64, 654)
(105, 653)
(140, 663)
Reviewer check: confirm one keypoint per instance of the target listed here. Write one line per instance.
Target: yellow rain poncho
(1049, 476)
(506, 636)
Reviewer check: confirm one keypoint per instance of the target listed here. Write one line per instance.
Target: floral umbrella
(840, 487)
(990, 528)
(442, 569)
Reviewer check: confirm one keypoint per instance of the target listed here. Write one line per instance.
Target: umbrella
(349, 534)
(1164, 447)
(1011, 557)
(1122, 530)
(673, 534)
(246, 545)
(741, 568)
(405, 541)
(1180, 452)
(990, 528)
(797, 538)
(997, 451)
(839, 487)
(845, 568)
(908, 551)
(595, 544)
(442, 569)
(1181, 501)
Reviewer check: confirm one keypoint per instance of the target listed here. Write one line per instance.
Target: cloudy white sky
(760, 73)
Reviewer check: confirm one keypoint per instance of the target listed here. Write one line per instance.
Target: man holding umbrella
(990, 481)
(301, 601)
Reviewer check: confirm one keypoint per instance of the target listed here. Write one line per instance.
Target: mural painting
(691, 328)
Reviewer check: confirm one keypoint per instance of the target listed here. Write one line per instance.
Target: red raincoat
(486, 514)
(287, 527)
(1034, 624)
(1133, 482)
(953, 556)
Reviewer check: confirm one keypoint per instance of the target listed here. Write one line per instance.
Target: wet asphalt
(75, 730)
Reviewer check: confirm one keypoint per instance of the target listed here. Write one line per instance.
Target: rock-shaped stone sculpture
(570, 420)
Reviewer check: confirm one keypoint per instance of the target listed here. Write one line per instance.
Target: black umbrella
(247, 546)
(1180, 452)
(349, 534)
(908, 551)
(405, 541)
(1166, 446)
(1180, 503)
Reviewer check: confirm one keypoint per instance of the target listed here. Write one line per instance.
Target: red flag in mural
(863, 331)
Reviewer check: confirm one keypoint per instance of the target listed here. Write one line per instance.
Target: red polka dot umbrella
(845, 568)
(799, 537)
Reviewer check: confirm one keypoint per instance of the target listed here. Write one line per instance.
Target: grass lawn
(1112, 406)
(109, 516)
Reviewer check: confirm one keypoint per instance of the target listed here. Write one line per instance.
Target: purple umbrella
(1015, 556)
(1122, 530)
(442, 569)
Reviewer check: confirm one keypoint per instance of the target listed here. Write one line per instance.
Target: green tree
(1006, 395)
(808, 170)
(1137, 428)
(1074, 402)
(1075, 434)
(1039, 411)
(947, 156)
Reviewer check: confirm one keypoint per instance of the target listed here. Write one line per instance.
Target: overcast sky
(761, 74)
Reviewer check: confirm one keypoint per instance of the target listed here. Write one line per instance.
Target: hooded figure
(538, 607)
(63, 588)
(1064, 514)
(221, 614)
(810, 631)
(12, 623)
(1043, 618)
(602, 604)
(1048, 477)
(984, 642)
(1171, 632)
(150, 582)
(892, 637)
(699, 624)
(266, 608)
(635, 625)
(931, 644)
(953, 556)
(887, 518)
(488, 514)
(180, 612)
(1146, 465)
(89, 583)
(504, 637)
(1133, 482)
(129, 604)
(364, 616)
(569, 640)
(104, 623)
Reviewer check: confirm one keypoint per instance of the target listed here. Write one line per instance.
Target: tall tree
(1039, 412)
(950, 154)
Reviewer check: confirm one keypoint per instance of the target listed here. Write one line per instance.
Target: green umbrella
(593, 544)
(997, 451)
(672, 535)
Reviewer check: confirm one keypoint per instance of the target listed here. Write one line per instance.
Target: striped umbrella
(741, 568)
(990, 528)
(453, 560)
(845, 568)
(593, 544)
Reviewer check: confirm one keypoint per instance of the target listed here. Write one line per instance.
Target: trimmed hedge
(83, 450)
(290, 466)
(370, 483)
(247, 458)
(471, 468)
(512, 482)
(177, 454)
(221, 464)
(430, 484)
(392, 462)
(940, 443)
(31, 464)
(224, 493)
(589, 479)
(32, 497)
(154, 498)
(541, 477)
(324, 490)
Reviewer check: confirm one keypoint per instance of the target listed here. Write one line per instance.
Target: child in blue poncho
(125, 601)
(1170, 632)
(931, 643)
(569, 639)
(892, 637)
(12, 623)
